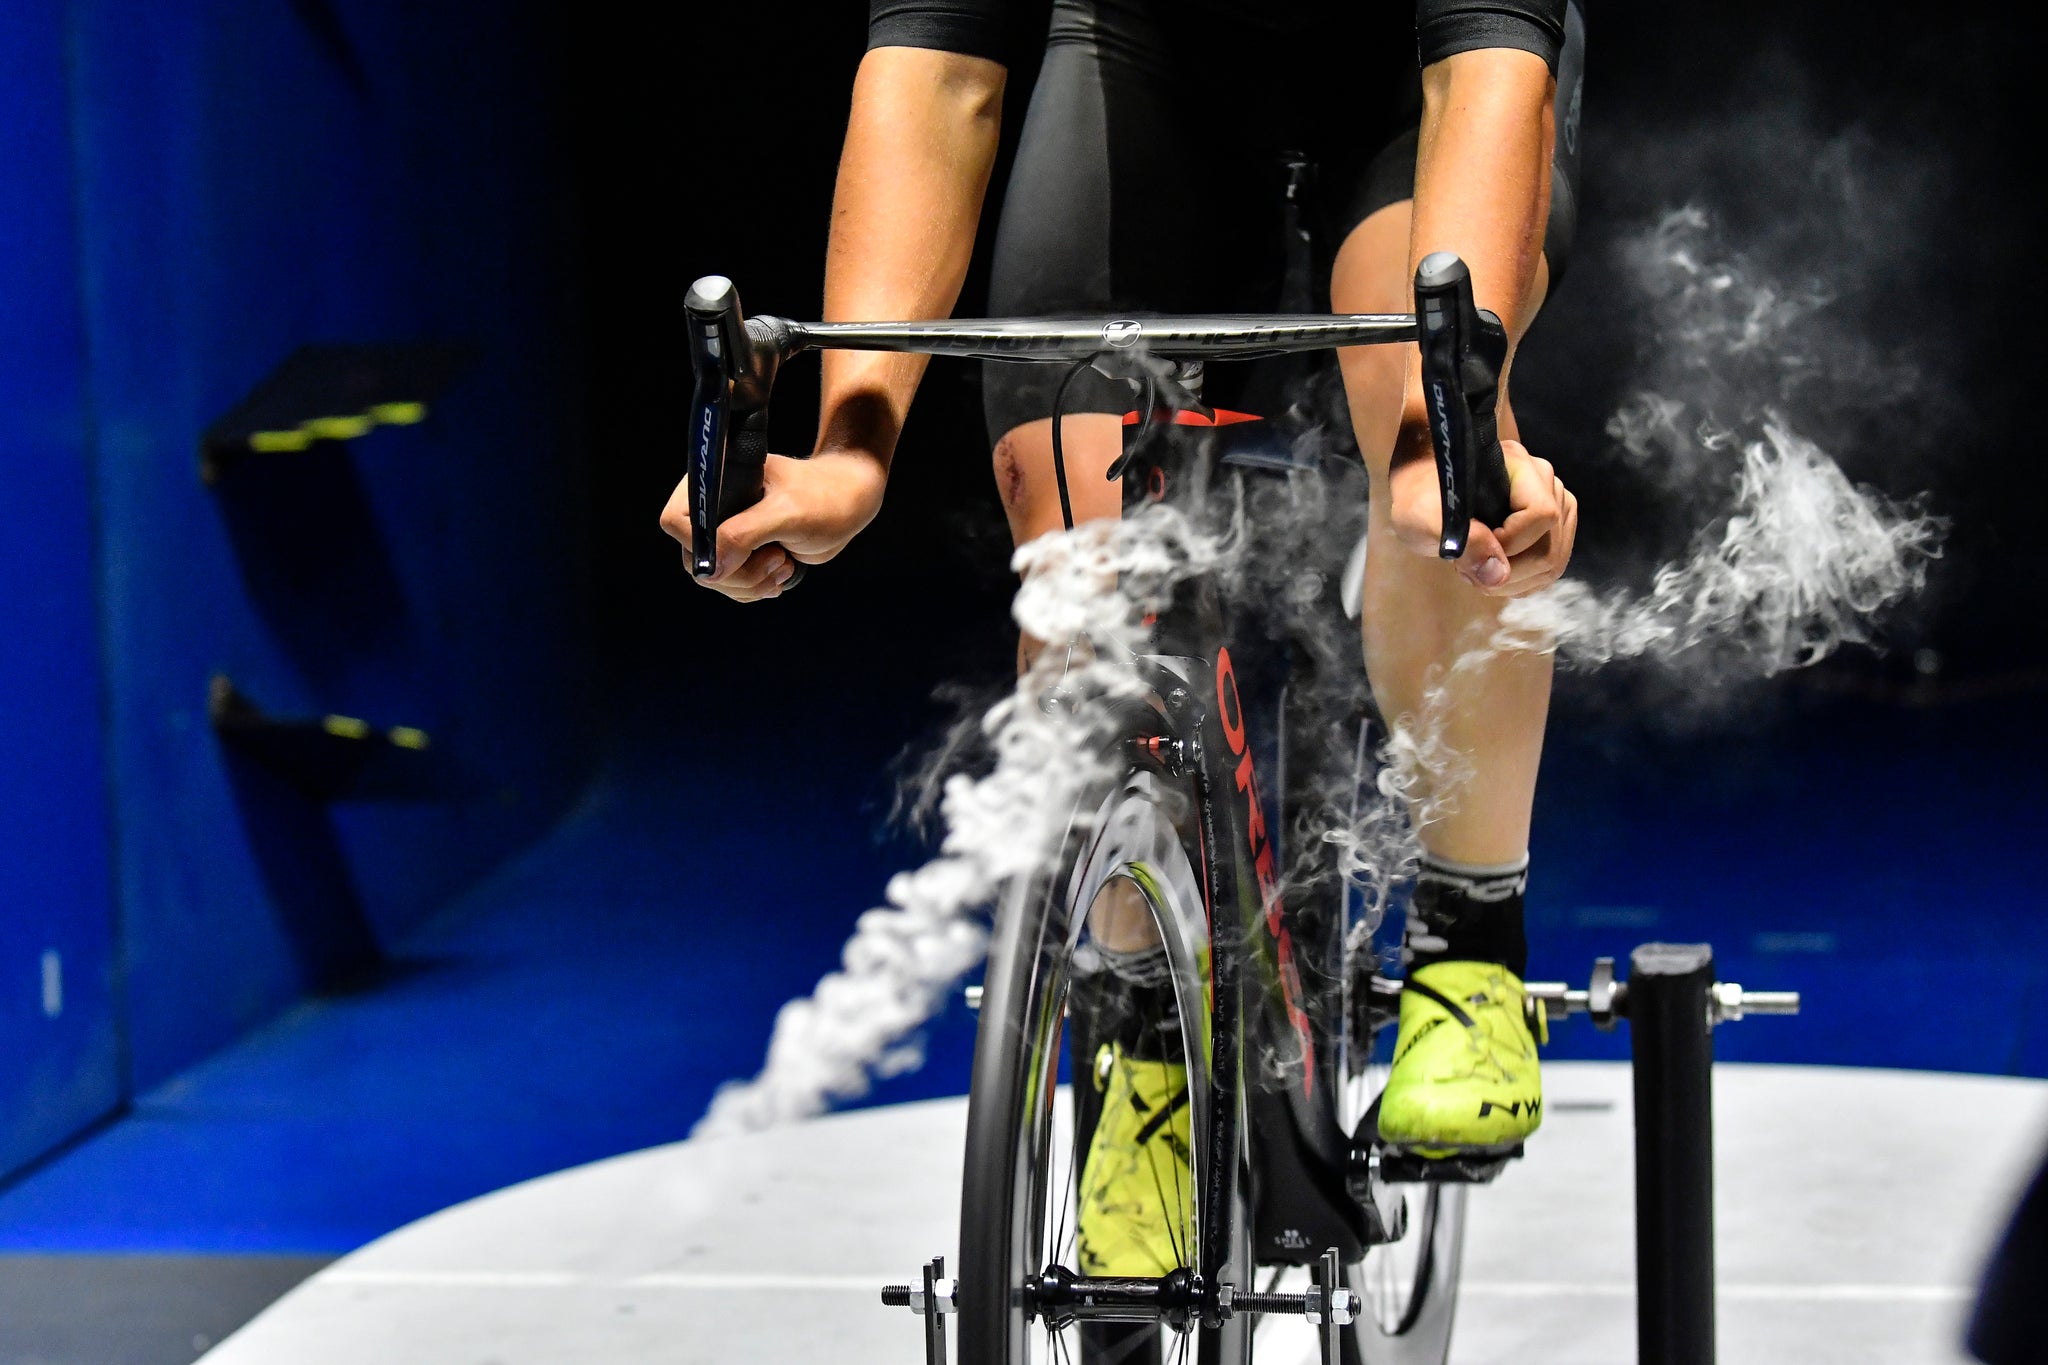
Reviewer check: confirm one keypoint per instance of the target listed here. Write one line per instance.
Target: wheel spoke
(1159, 1188)
(1070, 1169)
(1183, 1202)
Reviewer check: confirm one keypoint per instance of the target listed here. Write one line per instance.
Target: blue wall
(58, 1042)
(240, 180)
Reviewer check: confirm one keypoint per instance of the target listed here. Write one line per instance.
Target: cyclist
(1145, 180)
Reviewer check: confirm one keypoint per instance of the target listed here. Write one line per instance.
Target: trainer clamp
(1605, 1000)
(1335, 1306)
(933, 1302)
(1673, 1004)
(1180, 1300)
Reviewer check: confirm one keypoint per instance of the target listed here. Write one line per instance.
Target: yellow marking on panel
(337, 428)
(275, 442)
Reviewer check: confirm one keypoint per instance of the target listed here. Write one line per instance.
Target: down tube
(1224, 855)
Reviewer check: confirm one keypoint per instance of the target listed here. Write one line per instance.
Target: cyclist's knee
(1009, 461)
(1121, 918)
(1370, 275)
(1029, 488)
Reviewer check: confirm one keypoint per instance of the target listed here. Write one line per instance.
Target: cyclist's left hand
(1528, 552)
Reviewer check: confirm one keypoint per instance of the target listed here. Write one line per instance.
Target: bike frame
(1227, 724)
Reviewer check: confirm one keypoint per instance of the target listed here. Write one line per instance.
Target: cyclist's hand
(1528, 552)
(809, 510)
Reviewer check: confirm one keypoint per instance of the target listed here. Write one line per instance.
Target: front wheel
(1407, 1286)
(1025, 1150)
(1408, 1289)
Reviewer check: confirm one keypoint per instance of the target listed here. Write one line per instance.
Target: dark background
(291, 1024)
(1860, 146)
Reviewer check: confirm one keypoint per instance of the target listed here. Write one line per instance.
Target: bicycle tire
(1014, 1167)
(1408, 1288)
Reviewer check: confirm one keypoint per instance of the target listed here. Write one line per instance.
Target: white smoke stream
(1806, 563)
(1800, 562)
(1092, 583)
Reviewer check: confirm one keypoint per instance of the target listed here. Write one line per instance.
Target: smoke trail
(1805, 563)
(1096, 582)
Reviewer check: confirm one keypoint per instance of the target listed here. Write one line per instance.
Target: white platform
(1854, 1209)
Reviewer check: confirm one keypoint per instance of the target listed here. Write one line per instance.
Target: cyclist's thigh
(1112, 207)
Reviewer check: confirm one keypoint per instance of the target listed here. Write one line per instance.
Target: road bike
(1272, 999)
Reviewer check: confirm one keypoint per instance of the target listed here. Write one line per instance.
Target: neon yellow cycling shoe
(1136, 1196)
(1465, 1080)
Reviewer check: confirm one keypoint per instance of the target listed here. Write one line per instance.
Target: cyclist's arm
(920, 143)
(1482, 190)
(919, 148)
(1482, 174)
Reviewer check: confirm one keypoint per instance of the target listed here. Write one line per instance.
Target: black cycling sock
(1463, 913)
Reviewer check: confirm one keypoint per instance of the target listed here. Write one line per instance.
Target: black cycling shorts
(1150, 174)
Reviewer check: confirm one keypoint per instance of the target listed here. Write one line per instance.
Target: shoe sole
(1450, 1153)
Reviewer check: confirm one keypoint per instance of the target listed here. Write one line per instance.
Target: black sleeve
(1444, 28)
(974, 28)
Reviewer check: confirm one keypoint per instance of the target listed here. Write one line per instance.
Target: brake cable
(1148, 394)
(1059, 454)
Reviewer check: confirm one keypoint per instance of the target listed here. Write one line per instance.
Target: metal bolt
(1605, 1001)
(945, 1295)
(1728, 1002)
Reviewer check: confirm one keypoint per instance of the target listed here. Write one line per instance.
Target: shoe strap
(1449, 1005)
(1160, 1116)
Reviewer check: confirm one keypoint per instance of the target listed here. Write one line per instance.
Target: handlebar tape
(746, 461)
(1464, 349)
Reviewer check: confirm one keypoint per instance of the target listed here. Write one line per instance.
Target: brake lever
(733, 362)
(1464, 348)
(713, 325)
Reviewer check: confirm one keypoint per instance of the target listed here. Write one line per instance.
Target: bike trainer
(1672, 1003)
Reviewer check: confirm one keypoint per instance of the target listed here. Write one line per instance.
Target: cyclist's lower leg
(1471, 727)
(1134, 1180)
(1090, 441)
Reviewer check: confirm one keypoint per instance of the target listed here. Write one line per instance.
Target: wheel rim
(1407, 1287)
(1131, 841)
(1394, 1275)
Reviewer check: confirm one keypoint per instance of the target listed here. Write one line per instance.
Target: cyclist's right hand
(809, 510)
